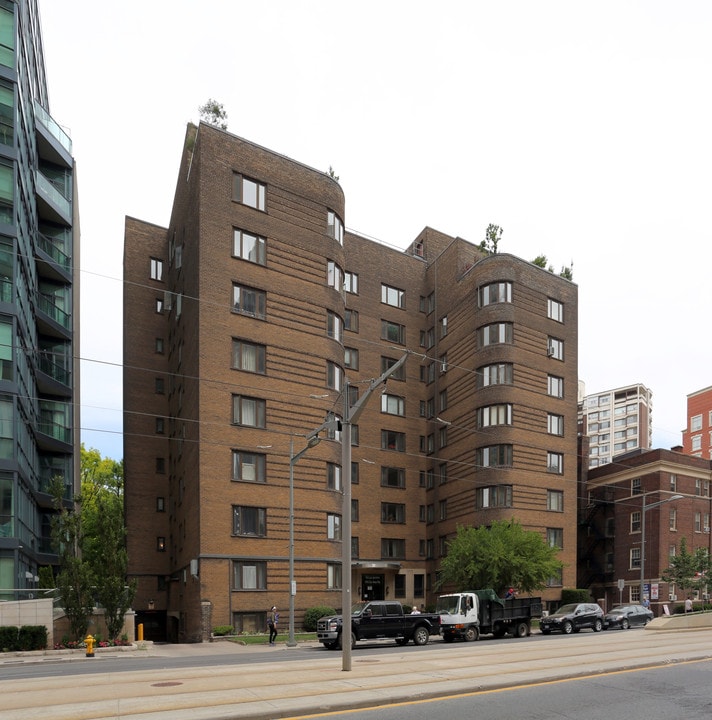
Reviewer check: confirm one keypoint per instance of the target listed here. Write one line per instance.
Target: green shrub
(223, 630)
(9, 640)
(575, 595)
(313, 614)
(33, 637)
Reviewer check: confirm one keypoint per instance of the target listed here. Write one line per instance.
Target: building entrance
(373, 587)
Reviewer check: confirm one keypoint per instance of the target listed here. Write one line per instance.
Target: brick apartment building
(672, 491)
(697, 436)
(244, 318)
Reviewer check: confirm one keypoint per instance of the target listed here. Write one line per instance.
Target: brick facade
(415, 458)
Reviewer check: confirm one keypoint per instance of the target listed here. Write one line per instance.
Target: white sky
(583, 129)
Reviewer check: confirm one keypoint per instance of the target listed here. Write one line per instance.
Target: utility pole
(350, 416)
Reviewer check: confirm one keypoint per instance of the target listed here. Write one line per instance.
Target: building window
(334, 376)
(354, 510)
(333, 576)
(393, 405)
(673, 519)
(248, 411)
(160, 386)
(634, 558)
(695, 423)
(7, 96)
(334, 227)
(555, 348)
(387, 363)
(392, 513)
(555, 462)
(333, 477)
(393, 477)
(160, 426)
(248, 301)
(555, 537)
(555, 424)
(635, 487)
(392, 296)
(495, 334)
(161, 544)
(494, 456)
(494, 496)
(249, 521)
(351, 320)
(635, 521)
(248, 246)
(393, 332)
(391, 440)
(159, 346)
(497, 292)
(555, 310)
(442, 472)
(442, 510)
(248, 466)
(696, 443)
(673, 483)
(491, 415)
(351, 358)
(497, 374)
(443, 326)
(248, 356)
(392, 548)
(159, 306)
(334, 276)
(698, 522)
(555, 386)
(351, 282)
(249, 575)
(161, 465)
(160, 504)
(334, 326)
(333, 526)
(156, 269)
(249, 192)
(555, 500)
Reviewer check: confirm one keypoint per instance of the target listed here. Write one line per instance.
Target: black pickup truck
(378, 619)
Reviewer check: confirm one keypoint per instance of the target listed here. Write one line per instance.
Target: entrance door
(373, 587)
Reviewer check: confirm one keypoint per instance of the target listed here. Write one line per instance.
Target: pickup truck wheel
(421, 636)
(521, 629)
(471, 634)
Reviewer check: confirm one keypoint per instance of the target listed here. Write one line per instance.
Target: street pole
(350, 416)
(645, 509)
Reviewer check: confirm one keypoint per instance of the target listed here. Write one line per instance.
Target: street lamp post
(350, 416)
(645, 509)
(312, 440)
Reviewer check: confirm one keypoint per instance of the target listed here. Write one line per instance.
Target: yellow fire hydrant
(89, 641)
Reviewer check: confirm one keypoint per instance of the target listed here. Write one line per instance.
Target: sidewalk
(284, 689)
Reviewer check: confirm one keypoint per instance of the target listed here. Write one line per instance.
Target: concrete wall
(29, 612)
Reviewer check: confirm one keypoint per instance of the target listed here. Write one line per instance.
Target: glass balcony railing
(59, 256)
(48, 307)
(49, 192)
(41, 115)
(54, 370)
(56, 431)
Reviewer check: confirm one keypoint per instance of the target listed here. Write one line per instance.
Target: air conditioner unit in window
(550, 351)
(673, 598)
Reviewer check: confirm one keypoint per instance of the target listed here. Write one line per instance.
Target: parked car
(625, 616)
(572, 617)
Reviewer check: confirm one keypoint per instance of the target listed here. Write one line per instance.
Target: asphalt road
(653, 693)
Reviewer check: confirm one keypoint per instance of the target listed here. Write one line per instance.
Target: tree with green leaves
(213, 113)
(498, 556)
(104, 535)
(75, 579)
(493, 235)
(689, 570)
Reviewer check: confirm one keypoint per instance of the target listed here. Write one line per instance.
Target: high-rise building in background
(616, 422)
(248, 318)
(39, 306)
(697, 435)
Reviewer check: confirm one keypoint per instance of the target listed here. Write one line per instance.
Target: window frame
(252, 516)
(239, 306)
(238, 246)
(239, 181)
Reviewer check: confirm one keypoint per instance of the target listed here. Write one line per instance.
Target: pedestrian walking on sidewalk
(272, 620)
(688, 605)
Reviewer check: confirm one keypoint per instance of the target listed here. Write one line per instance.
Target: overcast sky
(583, 129)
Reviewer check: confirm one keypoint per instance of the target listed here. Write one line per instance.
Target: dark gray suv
(572, 617)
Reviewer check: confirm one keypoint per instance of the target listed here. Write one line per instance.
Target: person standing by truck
(272, 620)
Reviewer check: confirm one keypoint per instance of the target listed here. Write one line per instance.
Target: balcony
(52, 261)
(51, 203)
(52, 142)
(51, 319)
